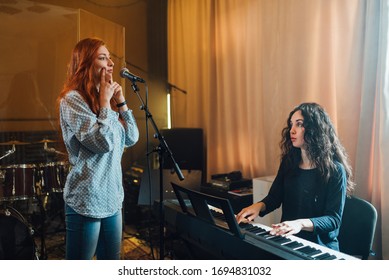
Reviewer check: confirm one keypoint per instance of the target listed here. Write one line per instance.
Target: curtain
(373, 139)
(246, 64)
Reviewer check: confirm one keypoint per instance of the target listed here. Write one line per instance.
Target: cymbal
(47, 141)
(14, 142)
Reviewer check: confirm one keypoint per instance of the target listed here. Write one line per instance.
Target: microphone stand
(162, 149)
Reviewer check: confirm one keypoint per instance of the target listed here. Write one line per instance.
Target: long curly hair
(322, 143)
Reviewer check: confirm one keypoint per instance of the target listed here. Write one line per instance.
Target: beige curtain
(246, 63)
(373, 140)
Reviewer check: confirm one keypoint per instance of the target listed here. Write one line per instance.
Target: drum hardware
(42, 186)
(8, 213)
(43, 211)
(50, 150)
(36, 215)
(9, 152)
(2, 177)
(50, 222)
(36, 183)
(51, 178)
(17, 236)
(46, 219)
(12, 143)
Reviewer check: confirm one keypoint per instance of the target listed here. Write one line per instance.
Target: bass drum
(16, 236)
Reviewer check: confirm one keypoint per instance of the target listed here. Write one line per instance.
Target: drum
(17, 182)
(53, 176)
(16, 236)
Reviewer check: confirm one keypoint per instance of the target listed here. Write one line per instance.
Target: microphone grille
(123, 71)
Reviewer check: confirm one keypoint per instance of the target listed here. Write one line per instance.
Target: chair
(357, 230)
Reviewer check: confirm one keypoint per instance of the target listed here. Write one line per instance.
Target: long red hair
(80, 74)
(80, 77)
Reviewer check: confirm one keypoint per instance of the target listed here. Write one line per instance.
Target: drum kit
(31, 184)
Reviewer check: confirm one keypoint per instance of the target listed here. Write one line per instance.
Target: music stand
(196, 204)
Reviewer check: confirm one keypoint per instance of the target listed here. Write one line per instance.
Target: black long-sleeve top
(304, 194)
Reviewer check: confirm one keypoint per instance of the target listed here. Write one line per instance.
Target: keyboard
(290, 247)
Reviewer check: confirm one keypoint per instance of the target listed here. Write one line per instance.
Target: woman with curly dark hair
(312, 182)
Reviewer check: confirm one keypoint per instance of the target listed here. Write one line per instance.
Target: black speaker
(150, 187)
(187, 147)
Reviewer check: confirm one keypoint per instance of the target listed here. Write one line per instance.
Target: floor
(133, 247)
(36, 228)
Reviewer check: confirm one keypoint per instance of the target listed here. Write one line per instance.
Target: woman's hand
(250, 213)
(291, 227)
(118, 93)
(106, 88)
(109, 89)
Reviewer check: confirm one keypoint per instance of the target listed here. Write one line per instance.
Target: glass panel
(36, 43)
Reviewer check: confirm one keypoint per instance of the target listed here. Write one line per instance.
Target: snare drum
(17, 182)
(53, 176)
(16, 236)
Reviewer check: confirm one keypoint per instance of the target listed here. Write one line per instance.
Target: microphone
(124, 73)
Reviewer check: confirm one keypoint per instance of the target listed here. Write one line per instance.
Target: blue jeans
(87, 237)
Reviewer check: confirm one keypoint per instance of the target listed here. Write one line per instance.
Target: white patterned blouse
(95, 144)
